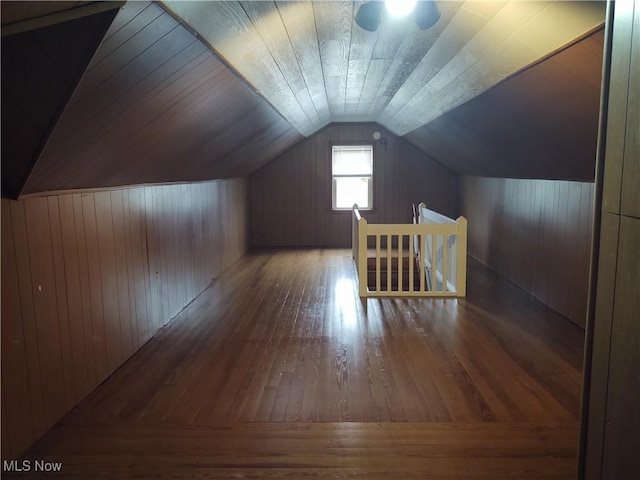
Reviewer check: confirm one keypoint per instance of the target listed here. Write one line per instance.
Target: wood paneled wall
(88, 278)
(535, 233)
(611, 406)
(291, 196)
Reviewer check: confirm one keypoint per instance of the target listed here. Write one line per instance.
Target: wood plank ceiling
(40, 70)
(541, 123)
(15, 12)
(156, 105)
(315, 65)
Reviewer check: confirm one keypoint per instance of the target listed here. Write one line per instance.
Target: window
(352, 174)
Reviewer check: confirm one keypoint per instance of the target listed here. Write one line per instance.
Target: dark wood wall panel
(156, 105)
(40, 69)
(541, 123)
(622, 428)
(15, 366)
(611, 406)
(536, 233)
(87, 278)
(291, 196)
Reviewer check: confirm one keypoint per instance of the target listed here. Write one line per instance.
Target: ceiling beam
(59, 17)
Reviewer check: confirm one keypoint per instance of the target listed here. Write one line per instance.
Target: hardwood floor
(278, 370)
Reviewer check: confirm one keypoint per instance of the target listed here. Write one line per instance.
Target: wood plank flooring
(278, 370)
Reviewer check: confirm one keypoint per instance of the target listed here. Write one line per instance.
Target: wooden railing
(425, 259)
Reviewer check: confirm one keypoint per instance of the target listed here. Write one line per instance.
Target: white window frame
(370, 175)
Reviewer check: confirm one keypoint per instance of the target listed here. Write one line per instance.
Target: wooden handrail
(442, 251)
(432, 215)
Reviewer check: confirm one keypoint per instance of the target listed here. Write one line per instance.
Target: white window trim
(333, 177)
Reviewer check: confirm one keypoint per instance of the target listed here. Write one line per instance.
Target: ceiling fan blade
(426, 14)
(369, 15)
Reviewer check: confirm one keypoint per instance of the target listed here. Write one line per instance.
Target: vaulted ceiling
(541, 123)
(315, 65)
(185, 91)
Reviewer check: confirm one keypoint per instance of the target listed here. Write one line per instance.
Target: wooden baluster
(400, 261)
(445, 261)
(434, 263)
(378, 273)
(362, 258)
(389, 263)
(454, 260)
(411, 260)
(423, 271)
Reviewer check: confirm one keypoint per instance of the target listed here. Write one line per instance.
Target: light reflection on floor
(349, 316)
(345, 298)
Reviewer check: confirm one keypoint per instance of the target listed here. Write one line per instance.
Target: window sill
(350, 210)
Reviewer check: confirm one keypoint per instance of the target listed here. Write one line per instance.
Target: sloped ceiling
(156, 105)
(16, 12)
(315, 65)
(192, 91)
(541, 123)
(40, 69)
